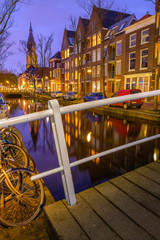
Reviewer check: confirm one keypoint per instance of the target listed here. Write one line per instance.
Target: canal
(86, 133)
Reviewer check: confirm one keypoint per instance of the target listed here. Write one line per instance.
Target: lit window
(132, 41)
(132, 61)
(98, 71)
(94, 40)
(144, 58)
(62, 55)
(99, 38)
(68, 52)
(145, 36)
(119, 49)
(118, 67)
(76, 62)
(76, 74)
(88, 42)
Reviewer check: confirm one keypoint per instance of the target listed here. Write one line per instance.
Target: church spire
(30, 38)
(31, 50)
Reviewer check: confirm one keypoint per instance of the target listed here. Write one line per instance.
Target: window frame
(142, 35)
(132, 40)
(141, 68)
(130, 62)
(119, 42)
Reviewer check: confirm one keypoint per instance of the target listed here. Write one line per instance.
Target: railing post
(62, 153)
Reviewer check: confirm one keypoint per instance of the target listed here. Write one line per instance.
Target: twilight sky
(51, 16)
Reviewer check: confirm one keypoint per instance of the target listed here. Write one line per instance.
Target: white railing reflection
(55, 112)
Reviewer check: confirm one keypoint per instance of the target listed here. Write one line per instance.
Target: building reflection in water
(86, 133)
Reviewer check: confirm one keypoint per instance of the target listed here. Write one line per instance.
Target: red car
(138, 102)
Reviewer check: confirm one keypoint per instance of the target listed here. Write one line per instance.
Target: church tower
(31, 50)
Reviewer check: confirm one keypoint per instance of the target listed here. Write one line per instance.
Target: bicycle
(20, 198)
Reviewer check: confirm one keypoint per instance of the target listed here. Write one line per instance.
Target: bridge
(145, 223)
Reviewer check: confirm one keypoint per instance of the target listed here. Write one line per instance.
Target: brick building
(112, 50)
(55, 72)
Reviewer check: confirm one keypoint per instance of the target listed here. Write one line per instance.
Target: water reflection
(86, 133)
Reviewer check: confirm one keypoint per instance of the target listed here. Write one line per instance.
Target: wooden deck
(127, 207)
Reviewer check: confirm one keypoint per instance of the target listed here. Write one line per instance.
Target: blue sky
(51, 16)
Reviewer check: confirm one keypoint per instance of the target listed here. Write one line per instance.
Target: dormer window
(93, 26)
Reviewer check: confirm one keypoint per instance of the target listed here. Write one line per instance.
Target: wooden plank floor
(127, 207)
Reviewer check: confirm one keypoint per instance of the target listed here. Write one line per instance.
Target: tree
(7, 10)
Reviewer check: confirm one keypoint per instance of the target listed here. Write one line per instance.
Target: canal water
(86, 133)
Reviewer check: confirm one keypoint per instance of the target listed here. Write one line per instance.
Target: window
(118, 67)
(76, 62)
(132, 61)
(145, 36)
(98, 71)
(88, 57)
(105, 52)
(128, 83)
(132, 41)
(119, 48)
(75, 48)
(94, 40)
(83, 61)
(94, 72)
(98, 38)
(62, 55)
(66, 76)
(88, 42)
(72, 76)
(79, 47)
(76, 74)
(98, 54)
(144, 58)
(94, 56)
(122, 26)
(118, 85)
(50, 74)
(72, 63)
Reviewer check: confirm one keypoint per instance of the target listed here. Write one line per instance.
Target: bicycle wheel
(27, 197)
(16, 131)
(16, 153)
(10, 137)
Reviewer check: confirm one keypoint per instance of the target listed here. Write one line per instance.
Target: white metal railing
(54, 112)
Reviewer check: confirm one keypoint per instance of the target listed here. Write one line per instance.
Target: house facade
(112, 50)
(55, 72)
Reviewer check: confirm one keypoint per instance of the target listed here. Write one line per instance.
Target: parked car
(138, 102)
(56, 94)
(3, 107)
(38, 90)
(93, 96)
(71, 96)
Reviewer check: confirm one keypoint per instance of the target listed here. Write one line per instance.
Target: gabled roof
(109, 16)
(56, 55)
(145, 16)
(31, 70)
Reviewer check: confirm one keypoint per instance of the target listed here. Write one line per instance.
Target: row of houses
(112, 50)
